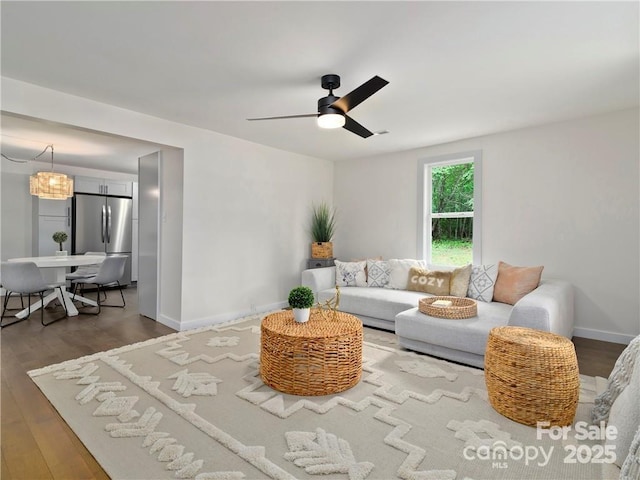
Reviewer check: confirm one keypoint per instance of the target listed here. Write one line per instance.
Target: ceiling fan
(332, 110)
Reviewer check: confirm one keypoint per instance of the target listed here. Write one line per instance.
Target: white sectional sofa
(549, 307)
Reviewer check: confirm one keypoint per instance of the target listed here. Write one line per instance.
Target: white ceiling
(456, 69)
(24, 138)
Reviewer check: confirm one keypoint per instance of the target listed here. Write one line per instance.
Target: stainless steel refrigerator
(102, 224)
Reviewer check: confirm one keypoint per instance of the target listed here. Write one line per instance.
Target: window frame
(424, 200)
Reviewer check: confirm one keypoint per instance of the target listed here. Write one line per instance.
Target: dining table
(59, 265)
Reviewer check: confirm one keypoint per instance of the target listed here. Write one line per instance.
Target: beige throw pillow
(434, 282)
(513, 283)
(460, 281)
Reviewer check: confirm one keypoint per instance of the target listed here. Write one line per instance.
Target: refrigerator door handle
(103, 223)
(108, 224)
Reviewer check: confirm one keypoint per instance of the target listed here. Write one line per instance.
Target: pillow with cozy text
(429, 281)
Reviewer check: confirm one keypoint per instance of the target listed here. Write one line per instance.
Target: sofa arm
(549, 307)
(318, 279)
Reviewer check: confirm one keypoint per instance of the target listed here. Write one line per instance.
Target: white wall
(562, 195)
(15, 211)
(244, 206)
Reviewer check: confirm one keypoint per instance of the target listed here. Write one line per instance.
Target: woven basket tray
(460, 307)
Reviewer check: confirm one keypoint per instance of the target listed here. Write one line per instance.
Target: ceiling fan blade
(360, 94)
(286, 116)
(354, 127)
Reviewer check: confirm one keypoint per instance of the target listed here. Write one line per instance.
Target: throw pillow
(482, 281)
(428, 281)
(350, 274)
(625, 417)
(513, 283)
(460, 281)
(399, 272)
(619, 378)
(377, 273)
(631, 466)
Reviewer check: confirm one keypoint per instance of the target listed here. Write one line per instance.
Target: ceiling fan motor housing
(324, 105)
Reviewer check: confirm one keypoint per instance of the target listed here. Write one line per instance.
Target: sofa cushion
(374, 302)
(399, 271)
(351, 274)
(377, 273)
(468, 334)
(460, 281)
(428, 281)
(513, 283)
(482, 282)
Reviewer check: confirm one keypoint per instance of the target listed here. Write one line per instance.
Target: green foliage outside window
(452, 191)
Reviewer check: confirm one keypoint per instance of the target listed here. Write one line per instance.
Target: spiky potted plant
(60, 238)
(301, 300)
(323, 227)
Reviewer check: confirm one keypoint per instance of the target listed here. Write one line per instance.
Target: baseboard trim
(169, 322)
(602, 335)
(226, 317)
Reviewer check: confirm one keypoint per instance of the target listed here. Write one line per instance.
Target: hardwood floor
(38, 444)
(596, 358)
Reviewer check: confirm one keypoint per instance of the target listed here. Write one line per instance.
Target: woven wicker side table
(319, 357)
(532, 376)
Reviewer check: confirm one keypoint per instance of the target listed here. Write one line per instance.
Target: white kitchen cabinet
(102, 186)
(51, 216)
(47, 226)
(55, 208)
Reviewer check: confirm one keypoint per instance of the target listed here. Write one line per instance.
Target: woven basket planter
(322, 250)
(532, 376)
(460, 307)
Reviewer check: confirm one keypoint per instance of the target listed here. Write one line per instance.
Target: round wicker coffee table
(532, 376)
(319, 357)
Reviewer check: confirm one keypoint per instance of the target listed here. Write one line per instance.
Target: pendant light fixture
(51, 185)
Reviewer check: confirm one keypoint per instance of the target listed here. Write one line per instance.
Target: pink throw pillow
(513, 283)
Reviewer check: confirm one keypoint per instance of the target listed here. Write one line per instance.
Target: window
(449, 209)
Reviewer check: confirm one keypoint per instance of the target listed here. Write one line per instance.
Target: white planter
(61, 253)
(301, 315)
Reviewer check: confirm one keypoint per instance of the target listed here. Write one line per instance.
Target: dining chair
(85, 271)
(21, 296)
(109, 273)
(25, 278)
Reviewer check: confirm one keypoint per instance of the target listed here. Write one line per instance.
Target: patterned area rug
(191, 405)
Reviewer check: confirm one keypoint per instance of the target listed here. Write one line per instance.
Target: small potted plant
(60, 238)
(323, 227)
(301, 300)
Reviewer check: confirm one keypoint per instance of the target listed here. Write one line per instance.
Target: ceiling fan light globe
(331, 120)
